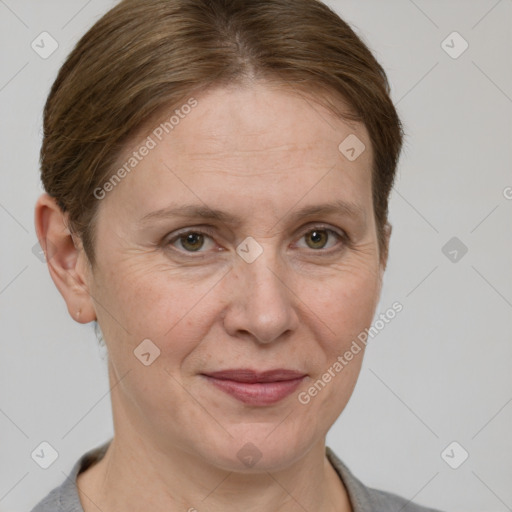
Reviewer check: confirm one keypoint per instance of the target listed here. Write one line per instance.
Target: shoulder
(368, 499)
(50, 502)
(64, 498)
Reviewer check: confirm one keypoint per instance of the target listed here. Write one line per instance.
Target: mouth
(256, 388)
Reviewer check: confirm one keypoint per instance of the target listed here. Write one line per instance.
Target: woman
(217, 177)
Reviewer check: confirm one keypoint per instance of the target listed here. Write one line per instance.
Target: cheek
(150, 301)
(357, 302)
(344, 309)
(344, 304)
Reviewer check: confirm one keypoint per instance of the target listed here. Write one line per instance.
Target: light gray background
(440, 372)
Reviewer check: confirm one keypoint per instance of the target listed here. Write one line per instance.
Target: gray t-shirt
(363, 499)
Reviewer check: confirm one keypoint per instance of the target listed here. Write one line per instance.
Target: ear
(67, 262)
(385, 250)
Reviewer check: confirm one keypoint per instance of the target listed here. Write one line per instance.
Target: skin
(259, 152)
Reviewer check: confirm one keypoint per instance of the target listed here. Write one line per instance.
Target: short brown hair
(146, 55)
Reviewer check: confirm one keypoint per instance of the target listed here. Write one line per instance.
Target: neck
(130, 475)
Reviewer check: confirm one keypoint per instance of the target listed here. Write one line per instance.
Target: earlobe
(63, 257)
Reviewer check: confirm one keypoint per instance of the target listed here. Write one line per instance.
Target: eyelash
(342, 236)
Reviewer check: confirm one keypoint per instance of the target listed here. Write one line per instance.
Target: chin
(257, 448)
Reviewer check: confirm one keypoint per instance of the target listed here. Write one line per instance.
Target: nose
(262, 304)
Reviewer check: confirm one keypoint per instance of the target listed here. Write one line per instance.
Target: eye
(320, 237)
(200, 241)
(191, 241)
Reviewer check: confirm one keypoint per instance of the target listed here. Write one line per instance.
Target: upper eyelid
(209, 230)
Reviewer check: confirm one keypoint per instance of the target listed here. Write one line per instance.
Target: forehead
(251, 141)
(238, 116)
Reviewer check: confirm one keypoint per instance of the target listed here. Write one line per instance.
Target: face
(248, 272)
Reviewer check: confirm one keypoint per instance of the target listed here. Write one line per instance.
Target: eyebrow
(339, 207)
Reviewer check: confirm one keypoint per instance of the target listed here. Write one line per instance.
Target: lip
(255, 387)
